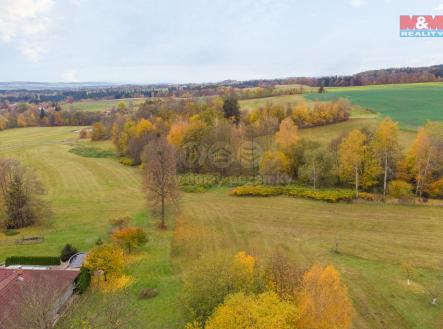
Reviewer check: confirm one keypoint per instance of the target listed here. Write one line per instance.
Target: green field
(101, 105)
(374, 238)
(409, 104)
(255, 103)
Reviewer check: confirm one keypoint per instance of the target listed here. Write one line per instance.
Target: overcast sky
(148, 41)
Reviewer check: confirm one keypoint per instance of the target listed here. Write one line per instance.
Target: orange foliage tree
(129, 237)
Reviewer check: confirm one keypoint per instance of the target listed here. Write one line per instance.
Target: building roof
(14, 284)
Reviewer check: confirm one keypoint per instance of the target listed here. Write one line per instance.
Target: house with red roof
(30, 297)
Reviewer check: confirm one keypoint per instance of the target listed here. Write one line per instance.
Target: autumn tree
(114, 311)
(98, 132)
(215, 276)
(129, 237)
(160, 181)
(106, 260)
(317, 167)
(426, 155)
(262, 311)
(176, 133)
(386, 146)
(323, 301)
(34, 306)
(20, 195)
(231, 108)
(287, 134)
(274, 164)
(352, 151)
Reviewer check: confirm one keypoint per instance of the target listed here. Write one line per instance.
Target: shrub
(129, 237)
(38, 261)
(327, 195)
(368, 196)
(258, 190)
(11, 232)
(83, 280)
(322, 195)
(147, 293)
(127, 161)
(67, 252)
(399, 189)
(436, 189)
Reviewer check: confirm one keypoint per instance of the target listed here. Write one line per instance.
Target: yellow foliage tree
(287, 134)
(262, 311)
(176, 133)
(21, 121)
(323, 302)
(274, 163)
(107, 260)
(143, 127)
(352, 152)
(386, 146)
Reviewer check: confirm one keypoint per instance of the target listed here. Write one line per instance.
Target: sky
(178, 41)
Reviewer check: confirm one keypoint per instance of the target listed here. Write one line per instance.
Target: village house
(24, 293)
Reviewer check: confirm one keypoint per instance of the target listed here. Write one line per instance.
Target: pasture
(374, 239)
(101, 105)
(409, 104)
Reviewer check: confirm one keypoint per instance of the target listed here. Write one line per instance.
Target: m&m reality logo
(423, 26)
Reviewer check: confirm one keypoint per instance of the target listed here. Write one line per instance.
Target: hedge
(328, 195)
(38, 261)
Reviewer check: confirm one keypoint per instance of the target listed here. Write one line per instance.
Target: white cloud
(357, 3)
(439, 8)
(24, 22)
(70, 75)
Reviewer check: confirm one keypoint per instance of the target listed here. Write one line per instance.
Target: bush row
(39, 261)
(328, 195)
(199, 183)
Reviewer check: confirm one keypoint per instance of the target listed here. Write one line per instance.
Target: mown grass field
(101, 105)
(86, 193)
(374, 238)
(409, 104)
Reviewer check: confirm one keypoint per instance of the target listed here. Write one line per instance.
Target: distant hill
(23, 85)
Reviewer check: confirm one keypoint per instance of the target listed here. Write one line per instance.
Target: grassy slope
(410, 104)
(374, 240)
(360, 118)
(101, 105)
(85, 194)
(252, 104)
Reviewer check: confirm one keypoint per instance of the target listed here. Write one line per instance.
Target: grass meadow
(374, 239)
(409, 104)
(100, 105)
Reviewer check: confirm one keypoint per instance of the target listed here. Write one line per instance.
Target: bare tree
(35, 305)
(160, 182)
(112, 311)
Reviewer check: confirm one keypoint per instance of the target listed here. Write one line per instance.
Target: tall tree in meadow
(352, 153)
(231, 108)
(386, 147)
(160, 180)
(323, 301)
(20, 195)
